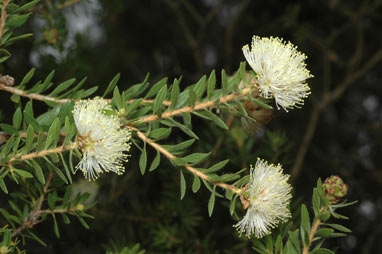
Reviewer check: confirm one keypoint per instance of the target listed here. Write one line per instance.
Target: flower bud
(3, 249)
(80, 207)
(334, 188)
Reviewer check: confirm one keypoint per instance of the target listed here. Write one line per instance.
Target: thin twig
(313, 230)
(33, 96)
(68, 4)
(33, 216)
(3, 17)
(328, 98)
(40, 154)
(40, 97)
(198, 106)
(189, 168)
(219, 141)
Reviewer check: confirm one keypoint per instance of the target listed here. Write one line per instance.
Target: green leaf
(53, 134)
(155, 162)
(182, 185)
(325, 216)
(179, 162)
(137, 89)
(11, 7)
(57, 170)
(38, 172)
(195, 184)
(52, 198)
(20, 37)
(111, 85)
(47, 82)
(117, 98)
(196, 157)
(216, 167)
(83, 222)
(192, 97)
(339, 228)
(325, 232)
(23, 173)
(160, 133)
(211, 84)
(62, 87)
(211, 202)
(200, 87)
(224, 81)
(173, 123)
(30, 119)
(17, 118)
(143, 160)
(161, 96)
(55, 226)
(16, 144)
(3, 186)
(37, 239)
(269, 243)
(17, 20)
(182, 98)
(322, 251)
(316, 201)
(232, 205)
(66, 168)
(4, 52)
(219, 122)
(261, 103)
(133, 106)
(181, 146)
(293, 236)
(27, 77)
(5, 149)
(278, 244)
(8, 128)
(27, 6)
(259, 246)
(305, 221)
(154, 90)
(69, 93)
(174, 94)
(15, 98)
(320, 187)
(65, 218)
(71, 161)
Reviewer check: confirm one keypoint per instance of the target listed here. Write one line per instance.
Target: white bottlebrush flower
(269, 196)
(100, 137)
(280, 70)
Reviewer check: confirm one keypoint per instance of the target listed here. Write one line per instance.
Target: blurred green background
(338, 130)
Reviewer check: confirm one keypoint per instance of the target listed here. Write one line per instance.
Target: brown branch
(34, 215)
(33, 96)
(219, 141)
(328, 98)
(314, 229)
(229, 33)
(68, 4)
(40, 97)
(190, 38)
(198, 106)
(3, 17)
(189, 168)
(40, 154)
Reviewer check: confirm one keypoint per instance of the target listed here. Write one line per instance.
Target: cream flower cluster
(100, 137)
(280, 70)
(269, 197)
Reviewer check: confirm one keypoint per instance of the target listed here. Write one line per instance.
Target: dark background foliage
(334, 133)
